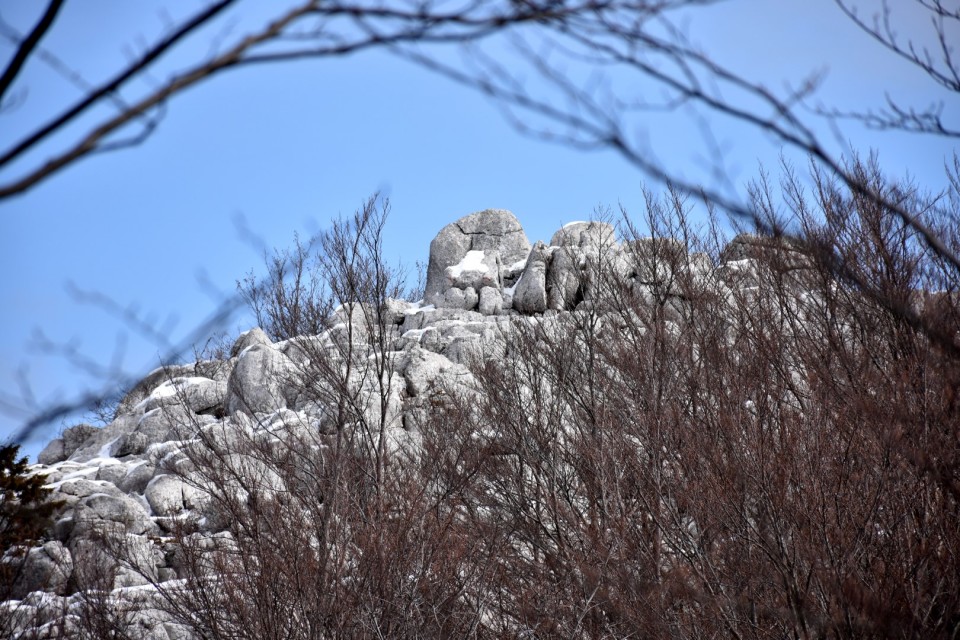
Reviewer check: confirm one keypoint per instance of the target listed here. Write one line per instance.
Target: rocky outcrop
(594, 236)
(424, 370)
(136, 478)
(476, 251)
(490, 301)
(197, 394)
(530, 294)
(566, 281)
(213, 369)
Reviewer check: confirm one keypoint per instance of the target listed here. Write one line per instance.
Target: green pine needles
(25, 511)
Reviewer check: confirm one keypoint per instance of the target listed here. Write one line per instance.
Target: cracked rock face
(473, 252)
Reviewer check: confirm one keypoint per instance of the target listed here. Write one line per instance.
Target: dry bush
(762, 447)
(773, 458)
(290, 299)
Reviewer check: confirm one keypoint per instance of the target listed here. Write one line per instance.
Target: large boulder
(394, 310)
(470, 298)
(530, 294)
(479, 268)
(752, 245)
(583, 249)
(593, 235)
(747, 245)
(142, 390)
(79, 486)
(69, 441)
(424, 370)
(472, 252)
(248, 339)
(172, 422)
(99, 512)
(490, 301)
(302, 350)
(565, 279)
(655, 263)
(199, 395)
(53, 453)
(137, 477)
(354, 319)
(261, 381)
(169, 494)
(779, 253)
(104, 443)
(214, 369)
(453, 298)
(46, 568)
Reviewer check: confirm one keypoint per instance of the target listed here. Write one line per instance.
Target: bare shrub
(775, 459)
(756, 441)
(290, 299)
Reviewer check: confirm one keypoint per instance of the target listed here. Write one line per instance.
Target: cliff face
(436, 434)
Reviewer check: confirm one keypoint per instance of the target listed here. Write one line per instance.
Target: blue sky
(288, 147)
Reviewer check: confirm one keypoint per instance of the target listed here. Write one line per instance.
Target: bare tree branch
(27, 46)
(110, 87)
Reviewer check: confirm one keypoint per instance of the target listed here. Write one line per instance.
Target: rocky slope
(131, 478)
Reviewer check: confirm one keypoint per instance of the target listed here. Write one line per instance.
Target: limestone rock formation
(530, 294)
(593, 235)
(474, 251)
(137, 477)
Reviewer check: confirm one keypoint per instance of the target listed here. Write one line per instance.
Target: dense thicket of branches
(762, 450)
(769, 449)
